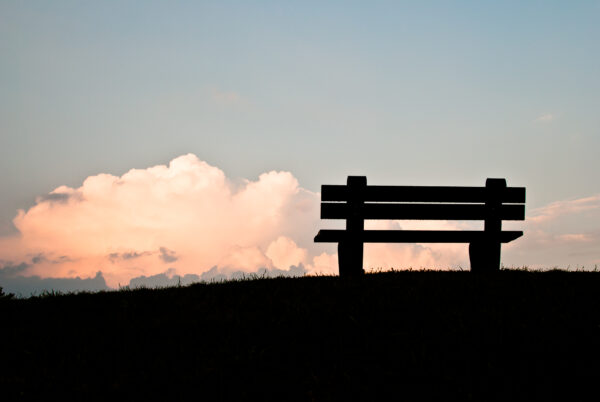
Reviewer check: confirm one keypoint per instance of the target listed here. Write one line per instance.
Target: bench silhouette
(356, 202)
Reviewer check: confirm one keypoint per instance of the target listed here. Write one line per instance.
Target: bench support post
(485, 253)
(350, 257)
(484, 256)
(350, 250)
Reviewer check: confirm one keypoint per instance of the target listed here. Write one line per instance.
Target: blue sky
(418, 93)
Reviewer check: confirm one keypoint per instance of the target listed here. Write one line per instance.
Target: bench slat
(414, 236)
(515, 195)
(421, 211)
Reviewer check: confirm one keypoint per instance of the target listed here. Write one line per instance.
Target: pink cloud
(187, 216)
(324, 264)
(560, 234)
(560, 208)
(284, 253)
(576, 237)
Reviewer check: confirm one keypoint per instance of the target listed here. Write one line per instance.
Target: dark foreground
(392, 336)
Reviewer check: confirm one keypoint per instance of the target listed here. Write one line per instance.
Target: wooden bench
(356, 202)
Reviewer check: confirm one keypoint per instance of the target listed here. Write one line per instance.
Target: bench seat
(414, 236)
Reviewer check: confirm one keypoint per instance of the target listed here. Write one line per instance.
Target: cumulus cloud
(187, 221)
(284, 253)
(187, 216)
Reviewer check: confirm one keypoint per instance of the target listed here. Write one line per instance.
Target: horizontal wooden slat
(421, 211)
(514, 195)
(414, 236)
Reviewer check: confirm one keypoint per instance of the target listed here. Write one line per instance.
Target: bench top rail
(511, 195)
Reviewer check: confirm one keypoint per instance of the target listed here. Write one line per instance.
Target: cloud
(187, 216)
(560, 234)
(284, 253)
(557, 209)
(31, 285)
(54, 197)
(8, 270)
(576, 238)
(545, 118)
(167, 255)
(167, 278)
(170, 277)
(130, 255)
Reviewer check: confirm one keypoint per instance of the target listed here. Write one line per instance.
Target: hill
(409, 334)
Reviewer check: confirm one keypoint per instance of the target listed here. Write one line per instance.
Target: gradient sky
(422, 93)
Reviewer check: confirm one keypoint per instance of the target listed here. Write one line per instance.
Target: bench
(356, 202)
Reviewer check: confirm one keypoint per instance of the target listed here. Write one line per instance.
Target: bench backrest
(357, 201)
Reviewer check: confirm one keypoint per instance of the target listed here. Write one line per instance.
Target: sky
(146, 142)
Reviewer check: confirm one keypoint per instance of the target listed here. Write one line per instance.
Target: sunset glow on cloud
(188, 218)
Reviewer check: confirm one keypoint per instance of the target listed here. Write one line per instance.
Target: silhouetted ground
(404, 335)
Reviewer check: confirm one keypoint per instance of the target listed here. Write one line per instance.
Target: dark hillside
(447, 335)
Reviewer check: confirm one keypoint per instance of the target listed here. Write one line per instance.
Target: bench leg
(350, 258)
(484, 256)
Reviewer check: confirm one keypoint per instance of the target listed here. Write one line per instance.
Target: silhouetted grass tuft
(5, 296)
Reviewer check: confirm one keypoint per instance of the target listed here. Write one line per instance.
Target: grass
(418, 334)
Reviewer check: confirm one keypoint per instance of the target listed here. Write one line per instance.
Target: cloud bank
(187, 221)
(187, 217)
